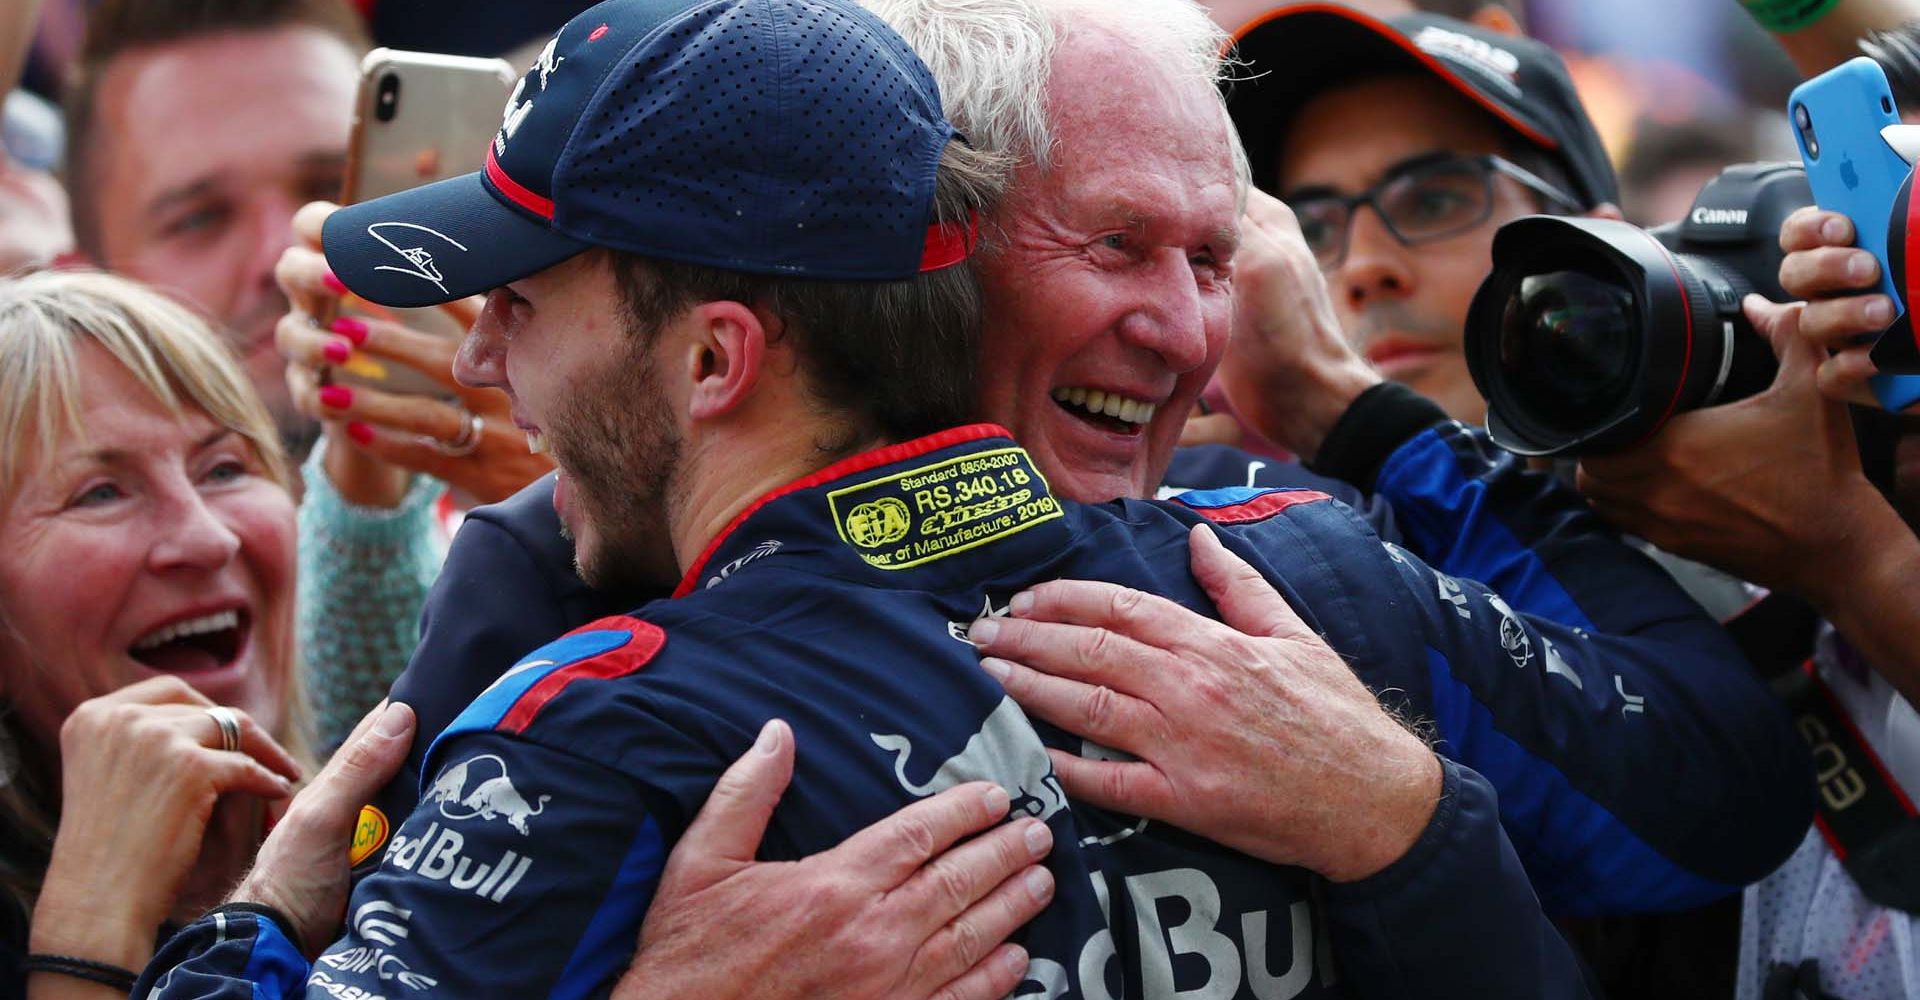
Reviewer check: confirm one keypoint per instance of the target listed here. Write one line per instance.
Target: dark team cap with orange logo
(781, 137)
(1295, 53)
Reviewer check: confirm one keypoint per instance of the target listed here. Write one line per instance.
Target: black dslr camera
(1591, 334)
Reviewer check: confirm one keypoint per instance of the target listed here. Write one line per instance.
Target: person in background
(197, 128)
(1507, 16)
(147, 669)
(33, 207)
(1402, 146)
(1669, 162)
(1820, 36)
(1776, 489)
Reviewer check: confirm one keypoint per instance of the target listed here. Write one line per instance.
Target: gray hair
(993, 60)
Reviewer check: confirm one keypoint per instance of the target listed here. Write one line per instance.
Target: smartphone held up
(419, 117)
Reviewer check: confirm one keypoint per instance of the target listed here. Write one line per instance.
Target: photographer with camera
(1714, 422)
(1402, 145)
(1772, 487)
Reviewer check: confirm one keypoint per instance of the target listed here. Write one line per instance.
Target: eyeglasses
(1428, 199)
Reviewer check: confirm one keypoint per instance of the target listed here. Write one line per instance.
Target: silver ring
(469, 440)
(229, 724)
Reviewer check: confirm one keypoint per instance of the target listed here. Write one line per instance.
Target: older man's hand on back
(1250, 731)
(895, 912)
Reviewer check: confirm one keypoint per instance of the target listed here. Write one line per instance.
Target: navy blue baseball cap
(780, 137)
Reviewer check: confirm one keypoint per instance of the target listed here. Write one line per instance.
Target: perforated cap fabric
(796, 137)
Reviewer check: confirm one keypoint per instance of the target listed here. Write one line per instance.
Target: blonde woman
(149, 709)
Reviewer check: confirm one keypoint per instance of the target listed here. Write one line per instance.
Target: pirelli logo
(914, 517)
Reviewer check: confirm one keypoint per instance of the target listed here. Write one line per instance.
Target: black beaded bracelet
(81, 968)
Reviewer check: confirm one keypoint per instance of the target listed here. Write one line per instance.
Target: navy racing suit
(1600, 830)
(549, 806)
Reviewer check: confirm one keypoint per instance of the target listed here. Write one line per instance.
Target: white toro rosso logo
(492, 796)
(420, 263)
(1006, 751)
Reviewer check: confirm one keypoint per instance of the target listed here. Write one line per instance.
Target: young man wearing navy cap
(1402, 145)
(742, 334)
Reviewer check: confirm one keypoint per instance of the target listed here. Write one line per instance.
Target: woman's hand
(377, 438)
(142, 770)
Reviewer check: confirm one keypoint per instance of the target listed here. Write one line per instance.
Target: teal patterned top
(364, 575)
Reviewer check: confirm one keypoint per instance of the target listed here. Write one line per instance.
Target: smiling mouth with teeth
(205, 643)
(1107, 410)
(537, 442)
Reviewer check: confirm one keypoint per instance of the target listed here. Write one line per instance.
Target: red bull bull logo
(1005, 751)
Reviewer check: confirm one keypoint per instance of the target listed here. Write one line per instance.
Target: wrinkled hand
(375, 438)
(142, 771)
(1249, 731)
(896, 911)
(303, 869)
(1288, 370)
(1824, 267)
(1768, 488)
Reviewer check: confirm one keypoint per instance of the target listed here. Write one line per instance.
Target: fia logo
(1848, 175)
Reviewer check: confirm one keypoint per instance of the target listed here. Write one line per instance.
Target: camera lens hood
(1572, 338)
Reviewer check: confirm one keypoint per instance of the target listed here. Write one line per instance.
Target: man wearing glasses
(1402, 145)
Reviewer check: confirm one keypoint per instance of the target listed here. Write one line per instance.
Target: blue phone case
(1856, 173)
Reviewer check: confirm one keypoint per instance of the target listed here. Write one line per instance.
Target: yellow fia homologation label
(369, 835)
(923, 514)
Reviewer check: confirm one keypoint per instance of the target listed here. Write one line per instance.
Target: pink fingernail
(337, 351)
(350, 328)
(360, 433)
(337, 396)
(333, 283)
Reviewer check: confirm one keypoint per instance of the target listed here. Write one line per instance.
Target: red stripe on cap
(949, 243)
(542, 207)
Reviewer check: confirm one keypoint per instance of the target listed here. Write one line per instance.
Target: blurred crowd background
(1676, 89)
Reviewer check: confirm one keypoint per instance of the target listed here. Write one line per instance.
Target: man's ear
(726, 359)
(1494, 17)
(1605, 210)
